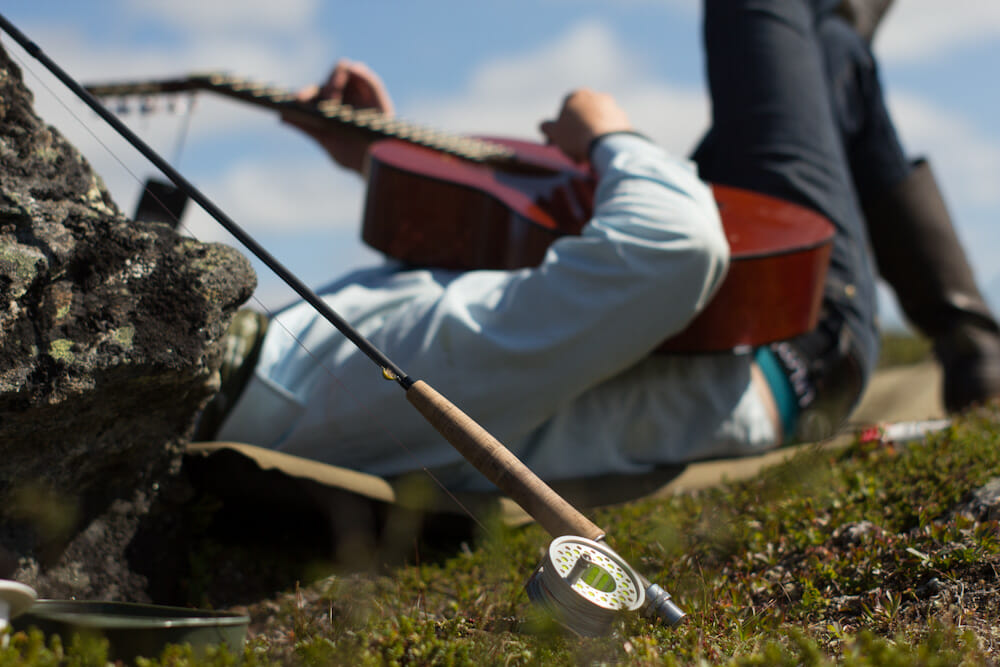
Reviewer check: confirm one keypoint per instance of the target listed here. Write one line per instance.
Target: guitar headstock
(152, 95)
(144, 87)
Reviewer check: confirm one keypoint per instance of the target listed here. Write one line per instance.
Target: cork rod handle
(500, 466)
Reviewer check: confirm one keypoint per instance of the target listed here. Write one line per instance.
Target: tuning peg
(147, 105)
(178, 105)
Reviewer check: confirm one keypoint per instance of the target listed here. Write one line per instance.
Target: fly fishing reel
(584, 585)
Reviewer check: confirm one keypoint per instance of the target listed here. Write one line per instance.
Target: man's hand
(585, 115)
(351, 83)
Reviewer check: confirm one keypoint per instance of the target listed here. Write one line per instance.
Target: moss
(124, 335)
(863, 555)
(22, 263)
(61, 349)
(46, 152)
(901, 348)
(96, 199)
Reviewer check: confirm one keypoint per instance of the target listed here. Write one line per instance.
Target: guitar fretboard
(365, 120)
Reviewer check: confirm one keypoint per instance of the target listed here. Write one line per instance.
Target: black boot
(864, 15)
(920, 256)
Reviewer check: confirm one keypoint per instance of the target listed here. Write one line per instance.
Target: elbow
(717, 255)
(709, 255)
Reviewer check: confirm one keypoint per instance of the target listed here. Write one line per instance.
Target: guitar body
(431, 209)
(774, 287)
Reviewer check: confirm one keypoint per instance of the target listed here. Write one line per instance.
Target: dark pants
(793, 110)
(875, 155)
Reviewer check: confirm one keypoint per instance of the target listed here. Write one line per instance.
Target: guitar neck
(368, 121)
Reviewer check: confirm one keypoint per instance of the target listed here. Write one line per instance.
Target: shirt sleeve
(646, 263)
(510, 348)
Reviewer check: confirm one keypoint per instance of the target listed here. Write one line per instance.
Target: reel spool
(584, 585)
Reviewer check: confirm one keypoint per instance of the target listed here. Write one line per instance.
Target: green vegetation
(869, 553)
(901, 347)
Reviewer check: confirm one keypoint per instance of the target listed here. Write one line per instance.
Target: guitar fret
(405, 131)
(333, 110)
(395, 126)
(219, 80)
(366, 114)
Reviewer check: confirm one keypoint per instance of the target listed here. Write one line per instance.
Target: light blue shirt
(553, 360)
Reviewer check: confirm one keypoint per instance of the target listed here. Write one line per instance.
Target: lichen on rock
(109, 340)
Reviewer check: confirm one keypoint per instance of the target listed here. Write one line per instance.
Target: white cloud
(918, 30)
(510, 97)
(966, 161)
(674, 117)
(305, 202)
(267, 58)
(968, 158)
(293, 196)
(215, 16)
(913, 30)
(586, 54)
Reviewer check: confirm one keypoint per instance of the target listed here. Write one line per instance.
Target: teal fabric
(781, 389)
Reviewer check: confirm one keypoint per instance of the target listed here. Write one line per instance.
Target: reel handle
(500, 466)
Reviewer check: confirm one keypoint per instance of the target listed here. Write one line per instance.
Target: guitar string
(348, 390)
(469, 148)
(181, 140)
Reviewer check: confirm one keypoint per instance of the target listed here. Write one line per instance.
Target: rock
(109, 344)
(854, 533)
(984, 503)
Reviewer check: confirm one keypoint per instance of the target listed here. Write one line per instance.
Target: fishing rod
(582, 582)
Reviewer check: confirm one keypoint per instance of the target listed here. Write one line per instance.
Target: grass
(901, 348)
(868, 554)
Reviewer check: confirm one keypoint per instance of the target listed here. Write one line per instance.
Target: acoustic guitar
(425, 186)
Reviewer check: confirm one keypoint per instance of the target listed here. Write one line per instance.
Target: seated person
(555, 360)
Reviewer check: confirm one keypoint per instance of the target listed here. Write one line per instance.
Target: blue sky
(478, 67)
